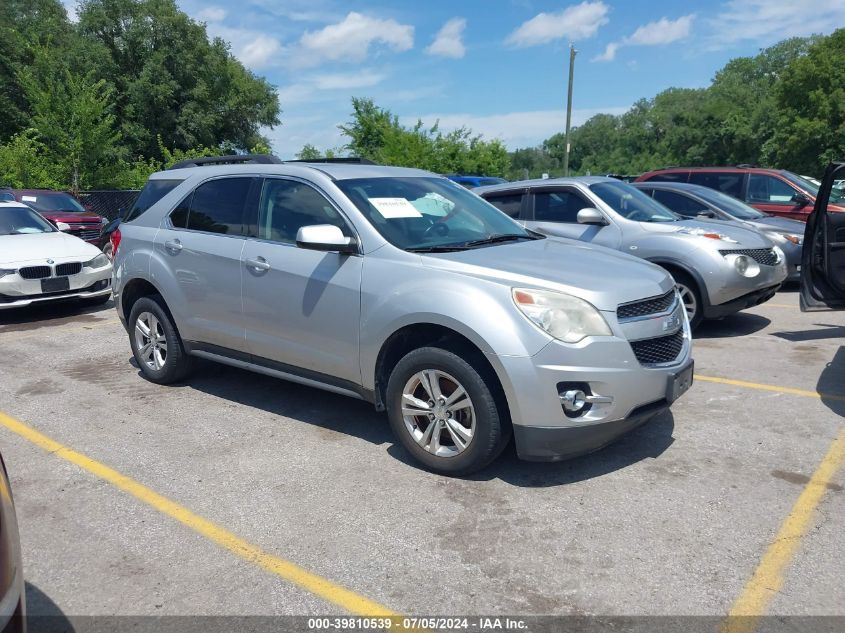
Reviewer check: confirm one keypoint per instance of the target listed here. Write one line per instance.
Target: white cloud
(576, 22)
(662, 31)
(211, 14)
(350, 39)
(515, 129)
(260, 52)
(768, 21)
(449, 40)
(318, 88)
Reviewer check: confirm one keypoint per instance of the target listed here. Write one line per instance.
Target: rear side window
(672, 176)
(152, 192)
(510, 203)
(726, 182)
(179, 215)
(679, 203)
(218, 206)
(558, 206)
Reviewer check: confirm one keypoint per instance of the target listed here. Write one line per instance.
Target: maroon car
(59, 206)
(772, 191)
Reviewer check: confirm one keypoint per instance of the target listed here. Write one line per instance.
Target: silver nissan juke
(719, 268)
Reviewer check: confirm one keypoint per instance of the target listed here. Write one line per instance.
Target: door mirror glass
(325, 237)
(64, 227)
(591, 216)
(800, 200)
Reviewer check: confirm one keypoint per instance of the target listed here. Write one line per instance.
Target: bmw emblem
(50, 261)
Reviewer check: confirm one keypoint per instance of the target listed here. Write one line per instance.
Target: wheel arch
(670, 264)
(416, 335)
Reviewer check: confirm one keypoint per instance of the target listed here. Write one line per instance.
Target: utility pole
(572, 53)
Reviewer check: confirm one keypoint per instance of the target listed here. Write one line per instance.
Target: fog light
(573, 400)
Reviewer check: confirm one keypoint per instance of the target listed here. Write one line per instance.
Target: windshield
(632, 204)
(730, 205)
(53, 201)
(836, 196)
(16, 220)
(419, 214)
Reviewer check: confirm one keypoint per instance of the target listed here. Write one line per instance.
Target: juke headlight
(744, 265)
(98, 262)
(4, 272)
(782, 238)
(567, 318)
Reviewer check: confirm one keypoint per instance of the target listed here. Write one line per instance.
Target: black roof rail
(351, 160)
(233, 159)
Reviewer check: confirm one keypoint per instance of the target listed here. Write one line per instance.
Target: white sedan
(40, 263)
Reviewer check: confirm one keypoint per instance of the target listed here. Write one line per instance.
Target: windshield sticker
(392, 208)
(29, 199)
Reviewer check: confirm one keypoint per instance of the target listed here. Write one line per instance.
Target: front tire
(691, 296)
(444, 412)
(156, 343)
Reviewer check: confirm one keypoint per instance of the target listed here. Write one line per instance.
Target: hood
(71, 216)
(602, 276)
(742, 236)
(38, 247)
(784, 225)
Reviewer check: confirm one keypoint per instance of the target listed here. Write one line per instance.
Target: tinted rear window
(218, 206)
(674, 176)
(726, 182)
(152, 192)
(509, 203)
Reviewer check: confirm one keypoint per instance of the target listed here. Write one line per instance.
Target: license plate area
(680, 383)
(55, 284)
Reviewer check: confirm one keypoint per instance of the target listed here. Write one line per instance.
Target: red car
(773, 191)
(59, 206)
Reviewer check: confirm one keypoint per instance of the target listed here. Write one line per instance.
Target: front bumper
(16, 292)
(549, 444)
(623, 392)
(741, 303)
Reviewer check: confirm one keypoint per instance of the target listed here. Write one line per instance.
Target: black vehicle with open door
(823, 261)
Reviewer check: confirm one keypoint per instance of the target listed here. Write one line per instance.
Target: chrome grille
(765, 256)
(88, 235)
(655, 351)
(35, 272)
(72, 268)
(655, 305)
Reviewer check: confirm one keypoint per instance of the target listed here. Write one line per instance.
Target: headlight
(779, 254)
(3, 272)
(98, 262)
(744, 265)
(563, 316)
(104, 221)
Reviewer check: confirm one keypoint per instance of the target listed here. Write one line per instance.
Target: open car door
(823, 258)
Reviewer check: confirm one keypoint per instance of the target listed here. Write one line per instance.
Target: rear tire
(444, 412)
(156, 343)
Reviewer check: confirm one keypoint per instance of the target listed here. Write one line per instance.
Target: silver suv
(719, 268)
(404, 289)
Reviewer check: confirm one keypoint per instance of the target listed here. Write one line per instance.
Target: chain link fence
(108, 203)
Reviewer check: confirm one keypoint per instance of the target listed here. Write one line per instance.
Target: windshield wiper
(496, 239)
(437, 249)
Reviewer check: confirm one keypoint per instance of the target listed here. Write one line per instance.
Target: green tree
(24, 163)
(171, 81)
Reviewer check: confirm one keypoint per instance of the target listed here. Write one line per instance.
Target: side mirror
(591, 216)
(64, 227)
(706, 214)
(800, 200)
(325, 237)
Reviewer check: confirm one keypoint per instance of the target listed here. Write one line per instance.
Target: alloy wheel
(150, 341)
(438, 413)
(690, 302)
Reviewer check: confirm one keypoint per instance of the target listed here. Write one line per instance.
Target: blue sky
(497, 66)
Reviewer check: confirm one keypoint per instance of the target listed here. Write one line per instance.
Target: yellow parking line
(767, 580)
(756, 385)
(291, 572)
(779, 305)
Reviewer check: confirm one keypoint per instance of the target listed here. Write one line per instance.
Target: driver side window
(558, 206)
(769, 190)
(288, 205)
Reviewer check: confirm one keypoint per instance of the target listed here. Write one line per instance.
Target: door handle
(258, 264)
(174, 246)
